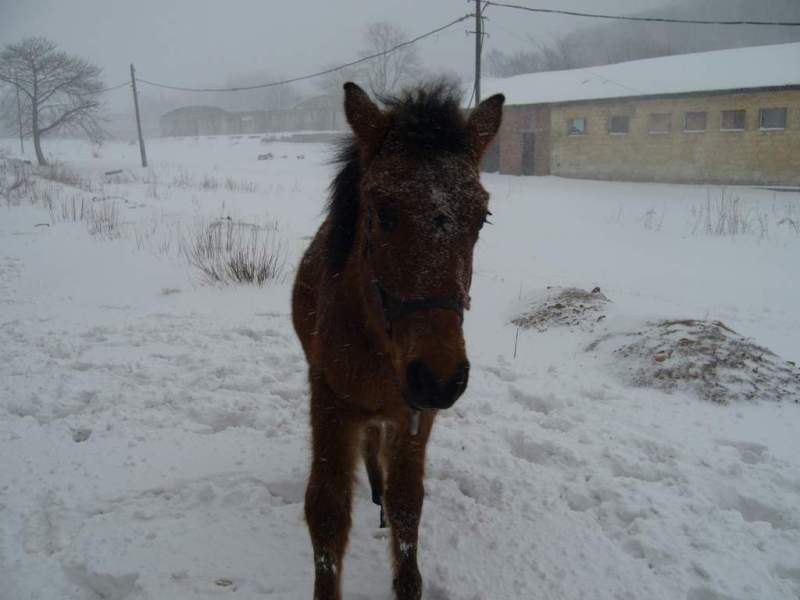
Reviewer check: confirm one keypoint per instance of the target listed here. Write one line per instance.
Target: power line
(471, 98)
(113, 87)
(645, 19)
(310, 75)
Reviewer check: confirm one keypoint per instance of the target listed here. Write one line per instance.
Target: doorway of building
(491, 159)
(528, 147)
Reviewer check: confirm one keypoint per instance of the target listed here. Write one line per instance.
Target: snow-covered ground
(154, 435)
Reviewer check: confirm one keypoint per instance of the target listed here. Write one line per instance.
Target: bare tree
(331, 83)
(561, 54)
(387, 72)
(502, 64)
(58, 91)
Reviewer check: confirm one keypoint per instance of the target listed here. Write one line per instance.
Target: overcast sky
(202, 42)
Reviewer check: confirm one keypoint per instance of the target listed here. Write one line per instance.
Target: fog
(195, 43)
(190, 43)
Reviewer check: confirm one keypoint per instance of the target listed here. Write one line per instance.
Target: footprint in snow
(541, 453)
(790, 573)
(706, 593)
(749, 452)
(754, 511)
(544, 404)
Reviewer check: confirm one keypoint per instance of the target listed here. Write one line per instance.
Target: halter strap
(394, 309)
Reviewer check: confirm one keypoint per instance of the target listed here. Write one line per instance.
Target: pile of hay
(705, 357)
(560, 307)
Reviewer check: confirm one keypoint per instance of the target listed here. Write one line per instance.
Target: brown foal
(378, 306)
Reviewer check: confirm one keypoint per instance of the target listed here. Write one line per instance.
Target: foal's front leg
(335, 441)
(403, 501)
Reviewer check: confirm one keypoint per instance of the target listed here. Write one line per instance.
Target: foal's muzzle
(425, 391)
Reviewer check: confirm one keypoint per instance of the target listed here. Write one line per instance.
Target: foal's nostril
(456, 386)
(462, 375)
(426, 391)
(421, 380)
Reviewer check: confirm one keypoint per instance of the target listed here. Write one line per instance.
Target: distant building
(194, 120)
(321, 113)
(728, 117)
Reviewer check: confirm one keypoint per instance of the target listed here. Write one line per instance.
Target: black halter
(394, 309)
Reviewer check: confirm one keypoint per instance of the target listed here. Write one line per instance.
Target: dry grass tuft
(100, 216)
(728, 215)
(230, 252)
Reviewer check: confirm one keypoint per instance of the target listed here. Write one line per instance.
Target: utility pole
(19, 118)
(138, 119)
(478, 49)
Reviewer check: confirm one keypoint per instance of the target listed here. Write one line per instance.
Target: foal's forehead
(438, 179)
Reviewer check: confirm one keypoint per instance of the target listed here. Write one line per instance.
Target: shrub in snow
(560, 307)
(704, 357)
(240, 185)
(729, 216)
(100, 216)
(59, 173)
(226, 251)
(183, 179)
(209, 183)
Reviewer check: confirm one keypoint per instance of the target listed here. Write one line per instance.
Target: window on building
(619, 124)
(695, 121)
(732, 120)
(773, 118)
(659, 123)
(576, 126)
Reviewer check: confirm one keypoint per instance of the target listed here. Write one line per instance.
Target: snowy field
(154, 434)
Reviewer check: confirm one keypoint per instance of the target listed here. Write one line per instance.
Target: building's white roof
(740, 68)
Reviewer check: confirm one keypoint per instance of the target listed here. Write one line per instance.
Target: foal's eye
(441, 222)
(386, 218)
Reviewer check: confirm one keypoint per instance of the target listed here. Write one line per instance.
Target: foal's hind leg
(335, 437)
(403, 501)
(371, 452)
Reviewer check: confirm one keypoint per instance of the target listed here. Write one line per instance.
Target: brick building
(729, 117)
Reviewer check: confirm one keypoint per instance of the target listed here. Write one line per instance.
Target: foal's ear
(365, 118)
(484, 122)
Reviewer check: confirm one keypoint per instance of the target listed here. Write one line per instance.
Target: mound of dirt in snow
(705, 357)
(560, 306)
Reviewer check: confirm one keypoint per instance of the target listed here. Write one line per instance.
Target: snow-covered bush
(706, 358)
(16, 182)
(60, 173)
(559, 307)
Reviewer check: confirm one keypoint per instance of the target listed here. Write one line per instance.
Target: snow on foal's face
(422, 217)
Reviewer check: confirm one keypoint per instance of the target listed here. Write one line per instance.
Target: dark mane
(425, 121)
(343, 204)
(428, 120)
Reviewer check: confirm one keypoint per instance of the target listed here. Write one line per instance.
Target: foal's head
(416, 207)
